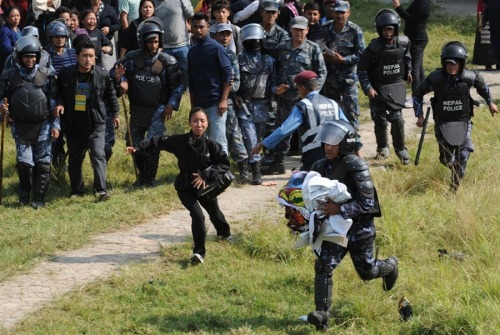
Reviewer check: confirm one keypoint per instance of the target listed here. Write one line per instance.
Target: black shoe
(197, 259)
(319, 319)
(102, 196)
(389, 280)
(37, 204)
(278, 168)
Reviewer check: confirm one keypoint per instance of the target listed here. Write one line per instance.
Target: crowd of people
(256, 73)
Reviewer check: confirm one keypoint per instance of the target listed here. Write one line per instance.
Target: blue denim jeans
(180, 54)
(217, 126)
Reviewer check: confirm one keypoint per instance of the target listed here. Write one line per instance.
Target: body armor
(450, 104)
(255, 84)
(315, 111)
(389, 67)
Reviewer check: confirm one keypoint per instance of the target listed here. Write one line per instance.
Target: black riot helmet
(28, 45)
(149, 28)
(336, 132)
(454, 51)
(387, 17)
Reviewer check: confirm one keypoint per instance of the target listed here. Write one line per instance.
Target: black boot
(139, 160)
(243, 168)
(389, 273)
(256, 178)
(323, 300)
(41, 178)
(151, 168)
(278, 167)
(268, 158)
(24, 174)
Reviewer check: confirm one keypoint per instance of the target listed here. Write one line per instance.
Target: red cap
(305, 76)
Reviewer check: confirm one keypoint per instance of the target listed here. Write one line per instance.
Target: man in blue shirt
(309, 113)
(210, 75)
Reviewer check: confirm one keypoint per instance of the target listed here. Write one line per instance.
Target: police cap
(305, 76)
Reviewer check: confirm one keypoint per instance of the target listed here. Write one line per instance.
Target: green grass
(259, 285)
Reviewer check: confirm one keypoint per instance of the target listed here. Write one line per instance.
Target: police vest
(389, 67)
(255, 82)
(451, 103)
(145, 85)
(28, 102)
(314, 112)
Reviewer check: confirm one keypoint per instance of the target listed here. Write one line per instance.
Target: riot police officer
(257, 82)
(152, 80)
(339, 163)
(382, 70)
(452, 108)
(30, 90)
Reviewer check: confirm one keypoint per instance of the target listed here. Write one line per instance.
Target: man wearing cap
(308, 114)
(151, 79)
(275, 36)
(210, 76)
(295, 56)
(345, 44)
(452, 108)
(221, 11)
(237, 150)
(329, 12)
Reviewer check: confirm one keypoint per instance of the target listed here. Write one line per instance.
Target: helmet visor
(332, 133)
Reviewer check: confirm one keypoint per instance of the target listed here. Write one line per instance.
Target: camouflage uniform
(290, 62)
(253, 124)
(275, 38)
(354, 172)
(233, 132)
(341, 81)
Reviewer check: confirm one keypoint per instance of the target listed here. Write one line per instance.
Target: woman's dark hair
(142, 3)
(60, 10)
(85, 43)
(83, 15)
(75, 11)
(196, 110)
(9, 10)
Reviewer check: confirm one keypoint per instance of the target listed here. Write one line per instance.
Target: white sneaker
(409, 103)
(197, 259)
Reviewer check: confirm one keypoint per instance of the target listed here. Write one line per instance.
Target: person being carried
(452, 108)
(201, 160)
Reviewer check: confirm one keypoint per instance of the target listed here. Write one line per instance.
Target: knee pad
(323, 267)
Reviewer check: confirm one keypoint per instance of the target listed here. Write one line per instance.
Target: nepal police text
(452, 105)
(141, 77)
(391, 69)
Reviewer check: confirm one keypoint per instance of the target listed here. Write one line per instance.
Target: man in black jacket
(83, 92)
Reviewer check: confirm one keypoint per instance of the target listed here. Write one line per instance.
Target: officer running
(452, 108)
(339, 163)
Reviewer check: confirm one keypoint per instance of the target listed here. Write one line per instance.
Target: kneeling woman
(200, 159)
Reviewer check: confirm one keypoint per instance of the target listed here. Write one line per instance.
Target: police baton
(421, 142)
(2, 144)
(131, 143)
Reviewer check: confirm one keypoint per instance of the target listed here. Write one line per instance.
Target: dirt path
(24, 294)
